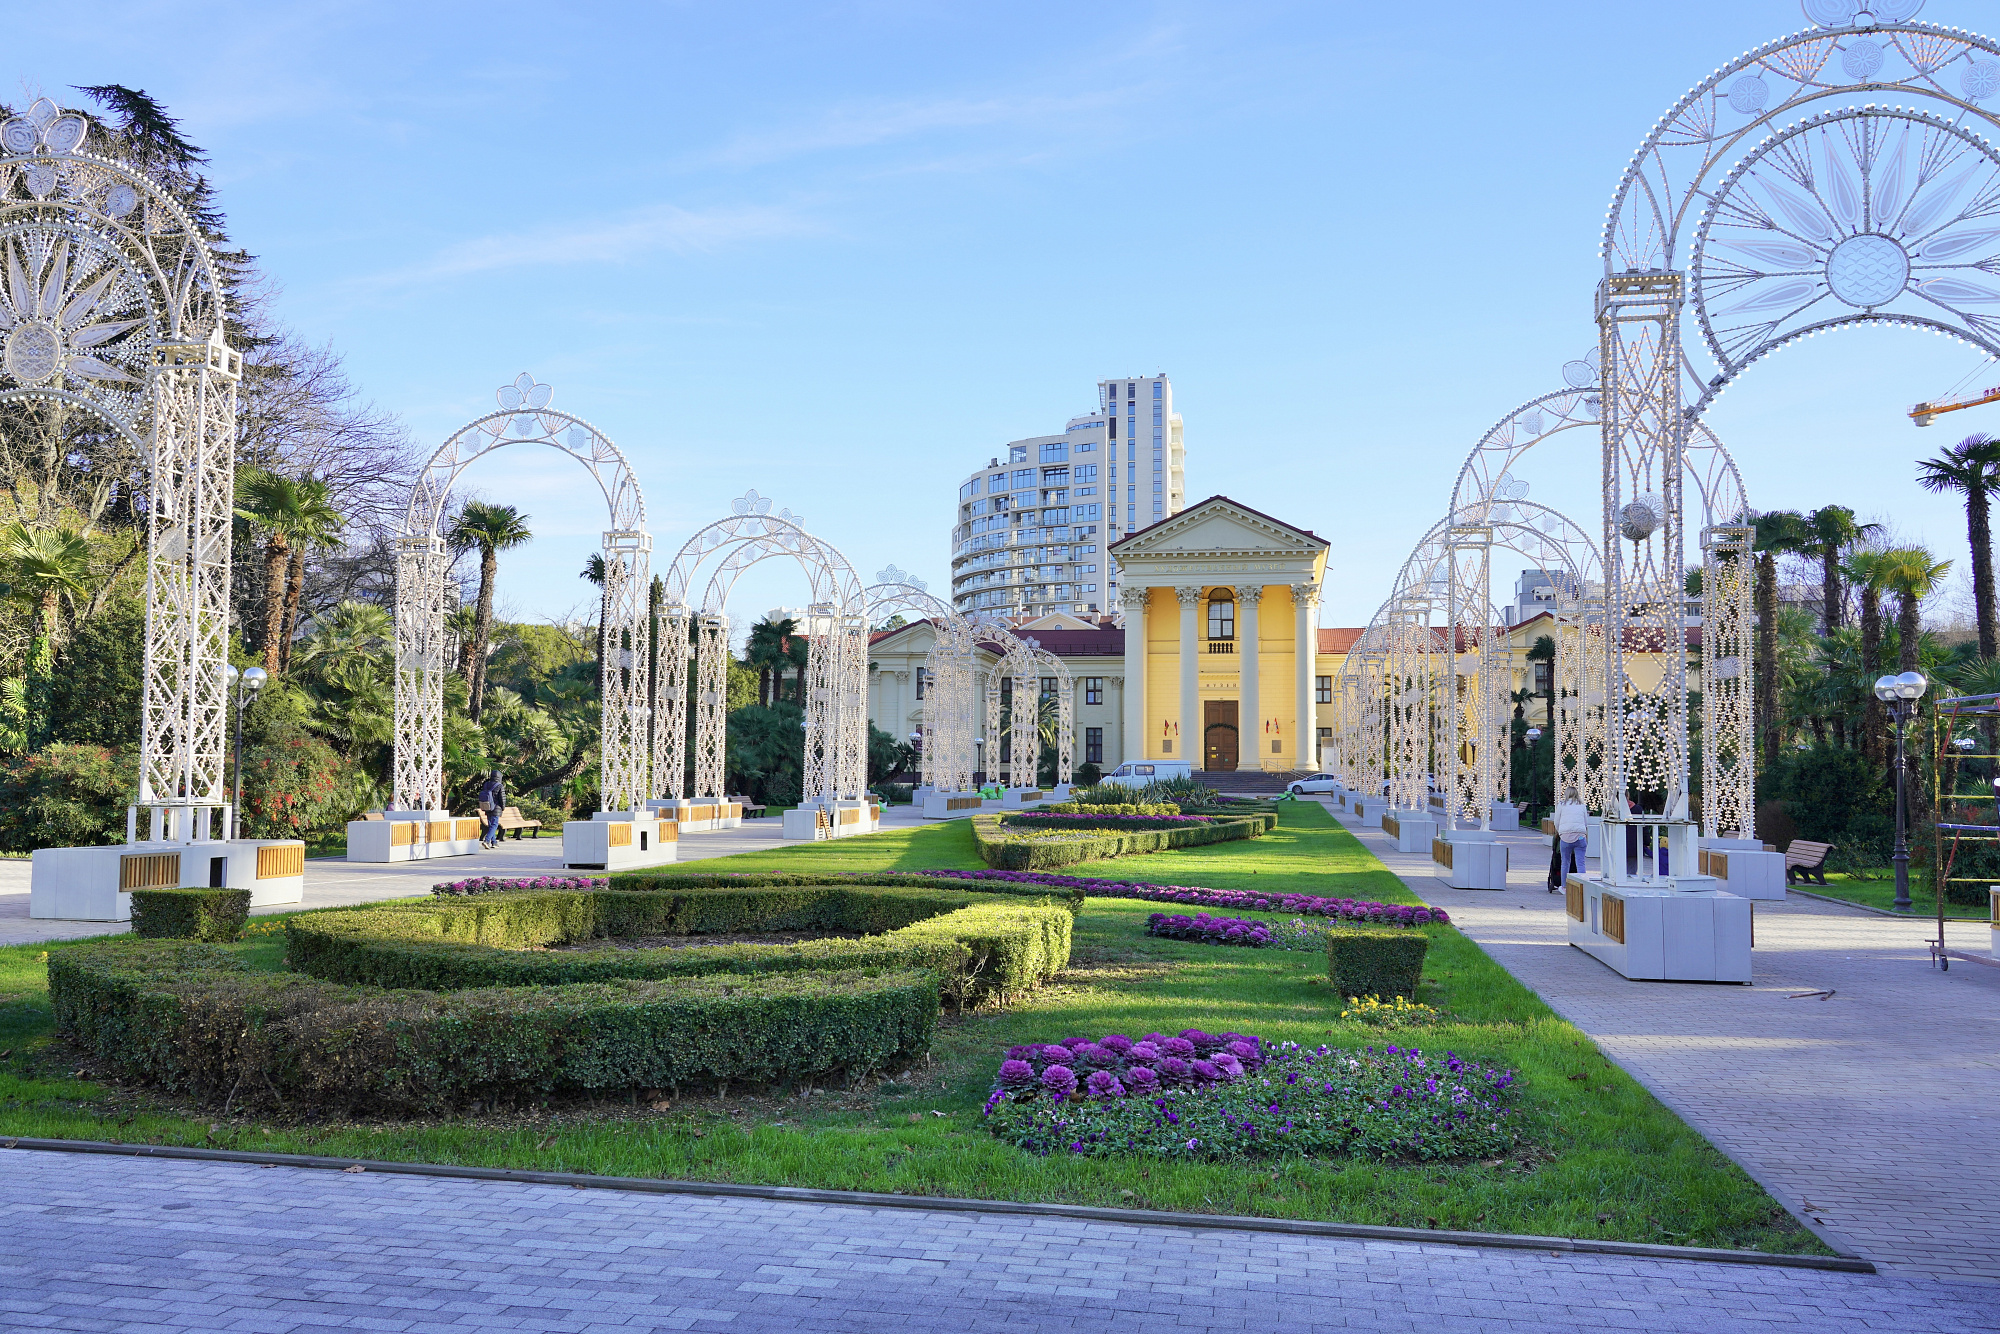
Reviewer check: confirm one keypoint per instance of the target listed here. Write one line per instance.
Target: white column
(1114, 745)
(1189, 747)
(1305, 608)
(1132, 745)
(1249, 717)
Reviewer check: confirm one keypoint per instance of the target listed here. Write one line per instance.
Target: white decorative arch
(111, 301)
(946, 757)
(423, 575)
(1799, 201)
(836, 704)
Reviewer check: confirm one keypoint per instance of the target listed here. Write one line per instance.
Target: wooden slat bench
(1807, 860)
(511, 818)
(752, 810)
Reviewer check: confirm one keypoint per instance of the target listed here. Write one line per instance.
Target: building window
(1222, 616)
(1093, 687)
(923, 676)
(1048, 687)
(1093, 745)
(1323, 689)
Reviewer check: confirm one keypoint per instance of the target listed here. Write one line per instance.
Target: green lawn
(1879, 891)
(1603, 1158)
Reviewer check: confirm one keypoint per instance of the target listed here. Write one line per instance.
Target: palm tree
(1912, 574)
(47, 565)
(319, 526)
(766, 650)
(1834, 530)
(291, 511)
(1780, 530)
(490, 530)
(1864, 571)
(1972, 468)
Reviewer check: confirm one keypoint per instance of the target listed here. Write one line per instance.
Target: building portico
(1220, 646)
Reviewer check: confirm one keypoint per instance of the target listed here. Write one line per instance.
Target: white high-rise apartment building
(1033, 524)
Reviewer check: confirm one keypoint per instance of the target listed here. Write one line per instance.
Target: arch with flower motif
(423, 581)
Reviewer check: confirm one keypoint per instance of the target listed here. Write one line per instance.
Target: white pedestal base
(844, 819)
(951, 805)
(1741, 866)
(1368, 809)
(1663, 934)
(84, 884)
(1470, 859)
(1413, 832)
(1505, 816)
(413, 836)
(1024, 798)
(610, 843)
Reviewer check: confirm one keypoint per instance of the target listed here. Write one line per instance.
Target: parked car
(1139, 773)
(1316, 783)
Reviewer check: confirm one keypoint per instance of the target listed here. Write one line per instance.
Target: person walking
(492, 799)
(1572, 834)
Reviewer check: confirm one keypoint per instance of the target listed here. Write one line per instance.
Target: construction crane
(1922, 413)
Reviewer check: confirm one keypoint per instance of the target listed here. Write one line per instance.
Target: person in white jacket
(1572, 832)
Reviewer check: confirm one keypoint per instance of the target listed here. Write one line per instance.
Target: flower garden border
(1029, 854)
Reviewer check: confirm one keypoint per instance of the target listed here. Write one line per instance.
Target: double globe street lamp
(1900, 694)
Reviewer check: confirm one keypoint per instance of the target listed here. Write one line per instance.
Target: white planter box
(413, 836)
(951, 805)
(1413, 832)
(1024, 798)
(1505, 816)
(844, 819)
(1667, 935)
(1470, 859)
(610, 844)
(1742, 867)
(95, 884)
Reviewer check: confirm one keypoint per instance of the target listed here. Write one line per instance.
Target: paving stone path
(151, 1246)
(1875, 1111)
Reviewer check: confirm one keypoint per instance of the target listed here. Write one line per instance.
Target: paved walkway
(1875, 1112)
(338, 883)
(149, 1246)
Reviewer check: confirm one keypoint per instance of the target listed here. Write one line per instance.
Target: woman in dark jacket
(492, 800)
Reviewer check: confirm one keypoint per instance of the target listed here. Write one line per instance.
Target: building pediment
(1220, 541)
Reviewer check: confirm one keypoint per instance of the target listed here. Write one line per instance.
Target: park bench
(752, 810)
(511, 818)
(1806, 859)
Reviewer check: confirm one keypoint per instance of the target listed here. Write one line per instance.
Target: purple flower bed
(486, 884)
(1209, 930)
(1211, 1097)
(1309, 905)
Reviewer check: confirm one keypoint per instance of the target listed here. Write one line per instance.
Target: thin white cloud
(662, 227)
(863, 126)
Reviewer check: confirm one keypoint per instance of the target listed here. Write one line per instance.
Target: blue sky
(841, 252)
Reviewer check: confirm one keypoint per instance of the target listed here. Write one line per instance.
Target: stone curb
(1850, 1264)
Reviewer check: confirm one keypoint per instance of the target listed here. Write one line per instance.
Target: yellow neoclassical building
(1221, 644)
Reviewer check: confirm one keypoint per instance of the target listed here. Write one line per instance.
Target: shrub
(976, 946)
(491, 884)
(1042, 851)
(1107, 808)
(895, 794)
(195, 1020)
(1118, 822)
(1209, 930)
(1034, 887)
(292, 785)
(1833, 795)
(214, 915)
(65, 796)
(1375, 963)
(1280, 1100)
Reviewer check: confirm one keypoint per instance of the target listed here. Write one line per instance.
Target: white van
(1141, 772)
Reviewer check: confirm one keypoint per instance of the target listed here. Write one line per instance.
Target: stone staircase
(1245, 782)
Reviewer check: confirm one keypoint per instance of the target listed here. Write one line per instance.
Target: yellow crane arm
(1922, 413)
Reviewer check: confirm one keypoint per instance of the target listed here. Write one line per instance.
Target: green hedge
(977, 945)
(1376, 963)
(1127, 824)
(194, 1019)
(190, 914)
(1028, 854)
(674, 879)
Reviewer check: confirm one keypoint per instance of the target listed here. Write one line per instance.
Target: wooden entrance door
(1218, 734)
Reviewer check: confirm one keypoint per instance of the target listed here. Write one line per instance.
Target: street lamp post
(242, 688)
(1534, 734)
(1901, 694)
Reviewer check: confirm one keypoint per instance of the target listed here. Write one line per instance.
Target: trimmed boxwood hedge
(978, 945)
(1087, 808)
(1376, 963)
(194, 1019)
(215, 915)
(431, 1003)
(997, 850)
(677, 879)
